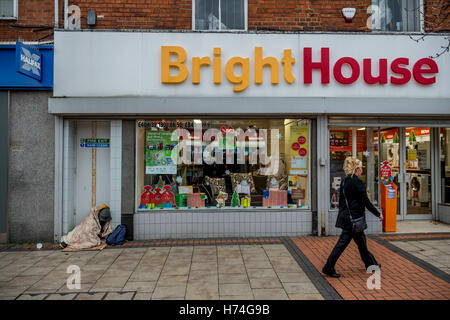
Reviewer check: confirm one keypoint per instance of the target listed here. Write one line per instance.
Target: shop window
(445, 164)
(8, 9)
(223, 164)
(220, 15)
(396, 15)
(357, 142)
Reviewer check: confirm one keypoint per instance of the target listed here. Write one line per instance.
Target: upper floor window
(8, 9)
(396, 15)
(220, 15)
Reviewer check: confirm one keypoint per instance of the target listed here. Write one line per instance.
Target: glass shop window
(444, 134)
(357, 142)
(220, 14)
(223, 163)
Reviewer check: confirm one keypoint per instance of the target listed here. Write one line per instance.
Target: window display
(223, 163)
(445, 164)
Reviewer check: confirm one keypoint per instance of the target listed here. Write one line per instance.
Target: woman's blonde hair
(351, 164)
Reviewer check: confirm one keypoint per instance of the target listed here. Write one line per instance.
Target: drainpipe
(66, 13)
(56, 14)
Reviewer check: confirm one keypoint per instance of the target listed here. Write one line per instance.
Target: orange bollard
(389, 206)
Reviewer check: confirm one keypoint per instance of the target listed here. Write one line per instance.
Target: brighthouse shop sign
(29, 61)
(345, 71)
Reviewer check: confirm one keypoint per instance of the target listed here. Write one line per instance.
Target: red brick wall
(138, 14)
(307, 15)
(36, 17)
(35, 21)
(437, 16)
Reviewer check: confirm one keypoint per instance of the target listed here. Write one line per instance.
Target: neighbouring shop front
(194, 135)
(26, 172)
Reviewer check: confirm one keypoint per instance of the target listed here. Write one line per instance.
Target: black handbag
(359, 224)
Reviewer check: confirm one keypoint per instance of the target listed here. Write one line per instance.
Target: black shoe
(332, 274)
(63, 245)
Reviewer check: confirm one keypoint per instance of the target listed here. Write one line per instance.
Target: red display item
(157, 196)
(167, 196)
(302, 152)
(295, 146)
(277, 198)
(147, 196)
(301, 140)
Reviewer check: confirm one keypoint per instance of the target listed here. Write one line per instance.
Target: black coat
(357, 199)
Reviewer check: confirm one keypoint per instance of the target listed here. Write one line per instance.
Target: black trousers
(344, 239)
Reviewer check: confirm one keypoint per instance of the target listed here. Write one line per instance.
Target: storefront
(189, 135)
(26, 83)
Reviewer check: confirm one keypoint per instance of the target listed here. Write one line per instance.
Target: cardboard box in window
(185, 189)
(196, 200)
(275, 198)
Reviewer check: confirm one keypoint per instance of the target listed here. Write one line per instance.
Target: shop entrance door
(92, 166)
(409, 152)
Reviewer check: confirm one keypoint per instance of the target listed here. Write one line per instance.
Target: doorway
(92, 173)
(408, 150)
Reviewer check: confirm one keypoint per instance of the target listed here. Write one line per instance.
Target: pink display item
(195, 200)
(277, 198)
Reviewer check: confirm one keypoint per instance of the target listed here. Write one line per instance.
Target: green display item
(235, 199)
(181, 200)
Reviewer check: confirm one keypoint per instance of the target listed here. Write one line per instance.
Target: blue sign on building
(28, 61)
(24, 67)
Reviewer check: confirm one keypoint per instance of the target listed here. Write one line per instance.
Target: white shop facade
(212, 135)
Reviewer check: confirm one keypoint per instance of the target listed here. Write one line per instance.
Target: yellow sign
(174, 57)
(412, 154)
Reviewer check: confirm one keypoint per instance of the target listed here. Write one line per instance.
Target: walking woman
(353, 198)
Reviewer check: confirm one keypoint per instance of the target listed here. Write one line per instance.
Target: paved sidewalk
(400, 278)
(413, 267)
(215, 272)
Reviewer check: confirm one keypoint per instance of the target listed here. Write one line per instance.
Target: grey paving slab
(140, 286)
(270, 294)
(233, 289)
(172, 280)
(265, 283)
(302, 287)
(225, 278)
(56, 296)
(32, 297)
(90, 296)
(142, 296)
(119, 296)
(169, 293)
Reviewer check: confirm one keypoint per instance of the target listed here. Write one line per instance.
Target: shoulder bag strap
(349, 212)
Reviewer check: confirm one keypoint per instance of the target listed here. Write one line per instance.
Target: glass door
(418, 172)
(390, 146)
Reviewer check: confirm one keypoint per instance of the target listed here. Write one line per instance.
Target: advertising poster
(158, 149)
(299, 149)
(341, 140)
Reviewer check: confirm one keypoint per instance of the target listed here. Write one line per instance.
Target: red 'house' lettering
(323, 65)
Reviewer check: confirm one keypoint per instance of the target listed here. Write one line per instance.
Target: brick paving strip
(401, 278)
